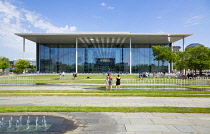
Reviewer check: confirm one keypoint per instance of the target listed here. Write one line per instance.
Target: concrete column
(183, 44)
(37, 57)
(169, 68)
(172, 64)
(169, 64)
(130, 58)
(23, 48)
(76, 54)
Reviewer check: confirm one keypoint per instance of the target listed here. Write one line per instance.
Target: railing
(13, 80)
(165, 83)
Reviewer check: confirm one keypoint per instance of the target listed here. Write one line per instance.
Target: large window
(57, 58)
(143, 59)
(98, 58)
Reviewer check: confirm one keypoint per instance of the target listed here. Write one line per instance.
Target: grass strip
(7, 109)
(82, 85)
(103, 91)
(109, 95)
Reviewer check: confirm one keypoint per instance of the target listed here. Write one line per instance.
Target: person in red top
(110, 81)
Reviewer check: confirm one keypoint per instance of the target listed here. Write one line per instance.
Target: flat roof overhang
(104, 37)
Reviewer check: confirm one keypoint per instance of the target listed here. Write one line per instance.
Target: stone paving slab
(202, 122)
(123, 121)
(186, 129)
(202, 129)
(138, 121)
(148, 133)
(172, 121)
(147, 128)
(105, 128)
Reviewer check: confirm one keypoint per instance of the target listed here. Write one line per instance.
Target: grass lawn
(130, 80)
(122, 93)
(104, 109)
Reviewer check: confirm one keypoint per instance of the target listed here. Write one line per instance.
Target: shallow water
(35, 123)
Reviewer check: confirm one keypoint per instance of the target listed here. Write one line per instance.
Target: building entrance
(105, 64)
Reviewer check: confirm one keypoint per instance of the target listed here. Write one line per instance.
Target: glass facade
(98, 58)
(57, 58)
(143, 59)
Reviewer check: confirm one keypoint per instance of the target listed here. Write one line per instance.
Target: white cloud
(197, 17)
(107, 6)
(110, 8)
(195, 20)
(159, 17)
(17, 20)
(103, 4)
(160, 31)
(37, 21)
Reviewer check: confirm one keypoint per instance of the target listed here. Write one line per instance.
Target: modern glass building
(99, 52)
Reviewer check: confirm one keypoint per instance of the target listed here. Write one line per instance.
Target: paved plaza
(104, 101)
(141, 123)
(130, 123)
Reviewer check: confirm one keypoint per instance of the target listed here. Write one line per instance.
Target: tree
(32, 68)
(182, 61)
(4, 63)
(163, 53)
(199, 58)
(22, 65)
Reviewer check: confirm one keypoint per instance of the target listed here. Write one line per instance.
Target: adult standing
(74, 75)
(118, 82)
(110, 81)
(107, 82)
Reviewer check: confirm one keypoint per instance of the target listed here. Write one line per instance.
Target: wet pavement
(125, 123)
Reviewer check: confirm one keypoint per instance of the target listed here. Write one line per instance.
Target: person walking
(118, 82)
(60, 74)
(63, 73)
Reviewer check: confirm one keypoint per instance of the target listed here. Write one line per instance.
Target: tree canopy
(4, 63)
(163, 53)
(199, 58)
(22, 65)
(182, 61)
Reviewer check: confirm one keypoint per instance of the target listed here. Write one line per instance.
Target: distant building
(176, 48)
(193, 45)
(96, 52)
(30, 60)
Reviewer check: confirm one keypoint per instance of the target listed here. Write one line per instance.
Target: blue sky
(67, 16)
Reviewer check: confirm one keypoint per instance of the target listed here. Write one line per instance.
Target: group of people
(144, 75)
(109, 82)
(63, 73)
